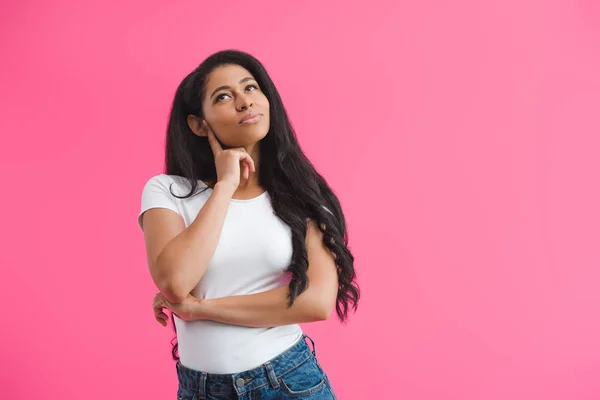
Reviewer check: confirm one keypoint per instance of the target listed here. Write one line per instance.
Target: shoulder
(164, 191)
(159, 180)
(171, 184)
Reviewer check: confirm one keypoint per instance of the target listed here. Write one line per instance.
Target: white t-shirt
(254, 249)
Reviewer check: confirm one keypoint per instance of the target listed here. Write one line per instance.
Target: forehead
(226, 75)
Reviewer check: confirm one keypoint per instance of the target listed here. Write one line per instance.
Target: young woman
(244, 240)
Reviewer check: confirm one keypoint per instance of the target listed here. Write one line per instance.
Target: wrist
(225, 189)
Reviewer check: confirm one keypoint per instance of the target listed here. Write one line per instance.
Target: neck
(252, 181)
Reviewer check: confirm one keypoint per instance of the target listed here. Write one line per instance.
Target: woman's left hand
(187, 310)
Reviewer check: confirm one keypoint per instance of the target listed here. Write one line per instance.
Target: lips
(252, 117)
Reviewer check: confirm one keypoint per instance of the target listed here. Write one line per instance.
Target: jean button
(240, 382)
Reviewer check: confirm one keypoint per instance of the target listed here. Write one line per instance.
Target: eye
(218, 98)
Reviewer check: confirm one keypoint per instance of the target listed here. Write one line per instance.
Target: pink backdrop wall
(461, 138)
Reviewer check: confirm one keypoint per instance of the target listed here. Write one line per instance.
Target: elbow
(168, 281)
(170, 285)
(323, 311)
(172, 292)
(321, 316)
(322, 304)
(174, 297)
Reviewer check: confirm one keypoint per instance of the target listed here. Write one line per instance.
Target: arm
(178, 256)
(269, 308)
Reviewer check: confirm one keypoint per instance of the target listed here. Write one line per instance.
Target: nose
(243, 102)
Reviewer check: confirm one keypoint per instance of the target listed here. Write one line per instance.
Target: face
(232, 94)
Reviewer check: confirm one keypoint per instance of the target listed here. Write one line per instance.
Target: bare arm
(269, 308)
(178, 256)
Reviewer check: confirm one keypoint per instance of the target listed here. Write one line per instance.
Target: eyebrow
(248, 78)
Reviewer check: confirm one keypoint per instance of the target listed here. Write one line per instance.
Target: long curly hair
(297, 191)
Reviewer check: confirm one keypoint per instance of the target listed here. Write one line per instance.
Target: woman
(244, 240)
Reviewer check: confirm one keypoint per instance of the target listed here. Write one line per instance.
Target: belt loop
(271, 375)
(314, 348)
(202, 386)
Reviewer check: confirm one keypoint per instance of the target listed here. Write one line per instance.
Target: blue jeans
(294, 374)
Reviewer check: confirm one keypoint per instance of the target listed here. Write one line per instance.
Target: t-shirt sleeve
(156, 194)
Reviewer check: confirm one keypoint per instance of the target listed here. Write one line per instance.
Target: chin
(257, 133)
(249, 139)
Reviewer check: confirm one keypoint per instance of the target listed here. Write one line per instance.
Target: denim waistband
(242, 382)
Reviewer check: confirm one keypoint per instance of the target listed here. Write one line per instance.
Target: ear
(197, 125)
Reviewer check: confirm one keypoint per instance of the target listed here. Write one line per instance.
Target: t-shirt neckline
(240, 200)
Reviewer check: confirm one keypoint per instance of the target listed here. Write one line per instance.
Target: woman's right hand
(229, 163)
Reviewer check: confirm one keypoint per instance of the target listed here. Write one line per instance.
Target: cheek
(222, 117)
(264, 102)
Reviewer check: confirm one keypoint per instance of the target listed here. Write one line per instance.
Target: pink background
(461, 138)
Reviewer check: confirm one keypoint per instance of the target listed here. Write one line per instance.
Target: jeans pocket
(184, 393)
(304, 380)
